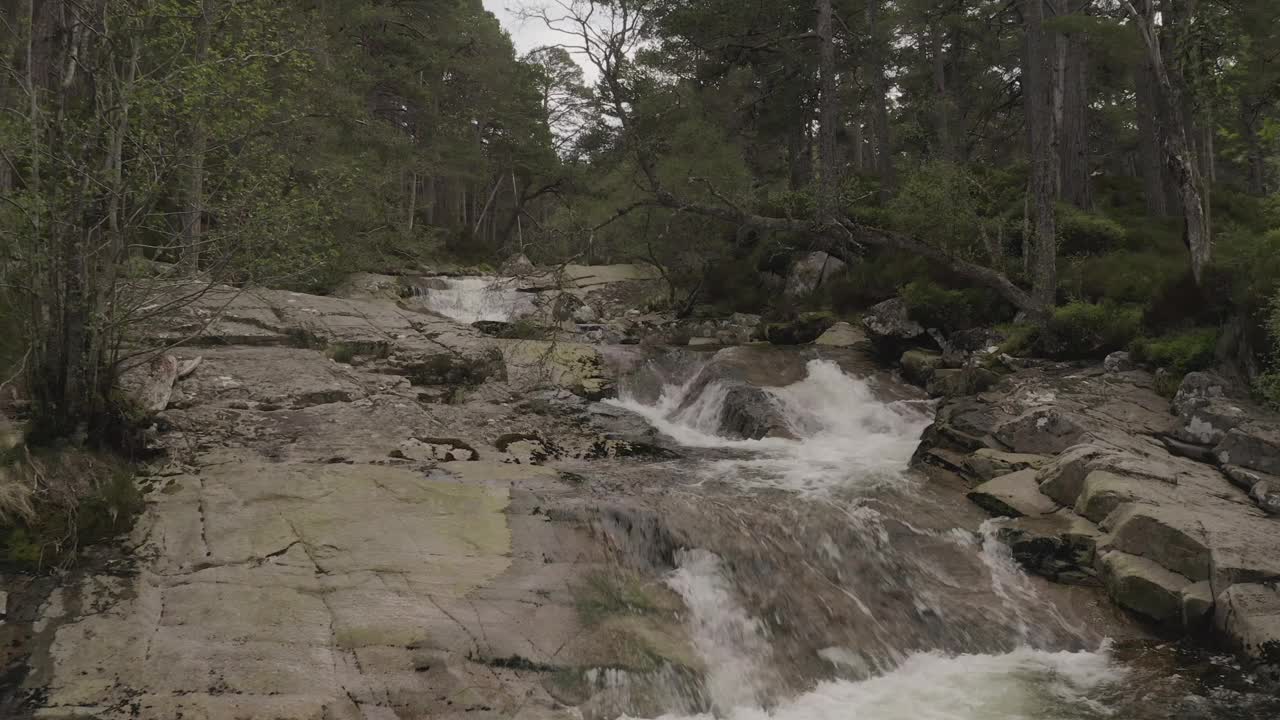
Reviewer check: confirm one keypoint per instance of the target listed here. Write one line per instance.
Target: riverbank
(366, 510)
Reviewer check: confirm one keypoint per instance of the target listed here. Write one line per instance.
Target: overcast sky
(528, 34)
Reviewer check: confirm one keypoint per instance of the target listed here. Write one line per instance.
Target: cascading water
(473, 299)
(944, 626)
(843, 434)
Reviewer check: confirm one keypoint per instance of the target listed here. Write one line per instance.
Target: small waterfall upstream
(945, 626)
(474, 299)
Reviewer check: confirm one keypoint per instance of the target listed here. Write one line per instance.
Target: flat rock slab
(274, 582)
(1013, 495)
(842, 334)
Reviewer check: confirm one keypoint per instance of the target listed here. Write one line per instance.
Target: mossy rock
(804, 329)
(918, 366)
(961, 381)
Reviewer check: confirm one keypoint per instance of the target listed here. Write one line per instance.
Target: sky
(529, 34)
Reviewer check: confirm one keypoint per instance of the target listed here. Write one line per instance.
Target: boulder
(151, 384)
(1248, 615)
(1118, 362)
(1013, 495)
(918, 366)
(842, 334)
(1042, 430)
(976, 340)
(427, 364)
(1142, 586)
(804, 329)
(1060, 546)
(585, 314)
(518, 264)
(810, 271)
(889, 325)
(961, 381)
(565, 306)
(1263, 488)
(1206, 411)
(1254, 444)
(751, 413)
(986, 463)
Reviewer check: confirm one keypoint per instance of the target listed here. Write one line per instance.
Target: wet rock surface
(1183, 543)
(330, 538)
(368, 511)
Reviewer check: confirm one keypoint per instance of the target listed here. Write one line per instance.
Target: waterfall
(847, 441)
(472, 299)
(843, 433)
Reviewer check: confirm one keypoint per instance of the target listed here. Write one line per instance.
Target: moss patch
(59, 500)
(1179, 353)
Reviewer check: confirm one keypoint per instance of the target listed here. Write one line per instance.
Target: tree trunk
(1254, 158)
(797, 158)
(413, 199)
(1150, 153)
(1038, 90)
(1179, 155)
(879, 101)
(942, 104)
(1075, 120)
(193, 215)
(828, 183)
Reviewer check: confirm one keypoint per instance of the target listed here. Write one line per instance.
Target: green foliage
(1251, 260)
(1167, 384)
(1181, 352)
(1124, 276)
(1020, 338)
(1081, 330)
(873, 279)
(944, 204)
(73, 499)
(1268, 384)
(949, 310)
(1084, 233)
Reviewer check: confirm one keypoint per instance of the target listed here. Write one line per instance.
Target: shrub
(934, 306)
(1181, 302)
(1251, 261)
(54, 501)
(1084, 233)
(1124, 276)
(1019, 339)
(876, 278)
(937, 307)
(1268, 384)
(1081, 330)
(1179, 353)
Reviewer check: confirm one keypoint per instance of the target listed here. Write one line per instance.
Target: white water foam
(844, 433)
(729, 640)
(472, 299)
(1025, 684)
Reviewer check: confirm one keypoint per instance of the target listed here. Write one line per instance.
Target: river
(919, 613)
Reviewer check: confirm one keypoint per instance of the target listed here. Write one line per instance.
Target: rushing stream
(473, 299)
(921, 613)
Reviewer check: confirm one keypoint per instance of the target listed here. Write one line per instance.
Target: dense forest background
(1090, 175)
